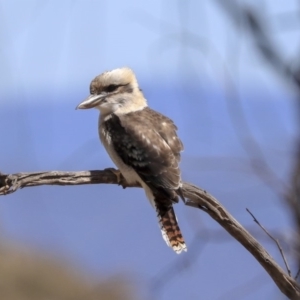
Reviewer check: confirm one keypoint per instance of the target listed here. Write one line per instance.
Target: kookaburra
(142, 143)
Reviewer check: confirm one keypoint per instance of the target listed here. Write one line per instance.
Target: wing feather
(147, 141)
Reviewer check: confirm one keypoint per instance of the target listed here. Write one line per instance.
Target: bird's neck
(126, 108)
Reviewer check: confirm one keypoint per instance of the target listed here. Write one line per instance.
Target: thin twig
(275, 240)
(296, 277)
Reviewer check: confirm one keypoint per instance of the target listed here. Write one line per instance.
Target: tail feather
(170, 230)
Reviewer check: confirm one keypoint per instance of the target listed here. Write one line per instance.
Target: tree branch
(195, 197)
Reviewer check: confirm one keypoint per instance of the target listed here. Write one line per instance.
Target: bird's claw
(118, 174)
(4, 189)
(4, 185)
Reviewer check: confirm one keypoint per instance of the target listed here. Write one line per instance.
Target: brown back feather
(147, 141)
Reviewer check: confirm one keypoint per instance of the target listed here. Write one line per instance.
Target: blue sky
(51, 43)
(185, 57)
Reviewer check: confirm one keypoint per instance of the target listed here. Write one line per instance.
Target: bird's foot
(120, 178)
(4, 186)
(4, 189)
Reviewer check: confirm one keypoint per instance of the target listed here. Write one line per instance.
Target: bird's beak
(91, 101)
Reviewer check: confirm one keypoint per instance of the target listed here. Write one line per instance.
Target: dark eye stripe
(111, 88)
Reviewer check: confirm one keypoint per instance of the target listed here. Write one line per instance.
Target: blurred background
(227, 72)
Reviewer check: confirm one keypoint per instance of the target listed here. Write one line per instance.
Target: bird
(142, 143)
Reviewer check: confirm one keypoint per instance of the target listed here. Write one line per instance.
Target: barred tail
(170, 230)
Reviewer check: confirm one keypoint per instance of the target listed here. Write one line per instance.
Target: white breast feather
(128, 172)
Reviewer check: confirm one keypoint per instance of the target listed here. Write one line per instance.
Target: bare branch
(195, 197)
(11, 183)
(247, 18)
(255, 22)
(275, 240)
(297, 275)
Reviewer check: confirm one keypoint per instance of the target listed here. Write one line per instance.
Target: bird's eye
(111, 88)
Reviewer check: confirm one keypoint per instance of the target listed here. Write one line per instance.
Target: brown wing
(166, 128)
(147, 141)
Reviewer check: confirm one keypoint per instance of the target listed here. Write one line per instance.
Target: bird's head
(115, 91)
